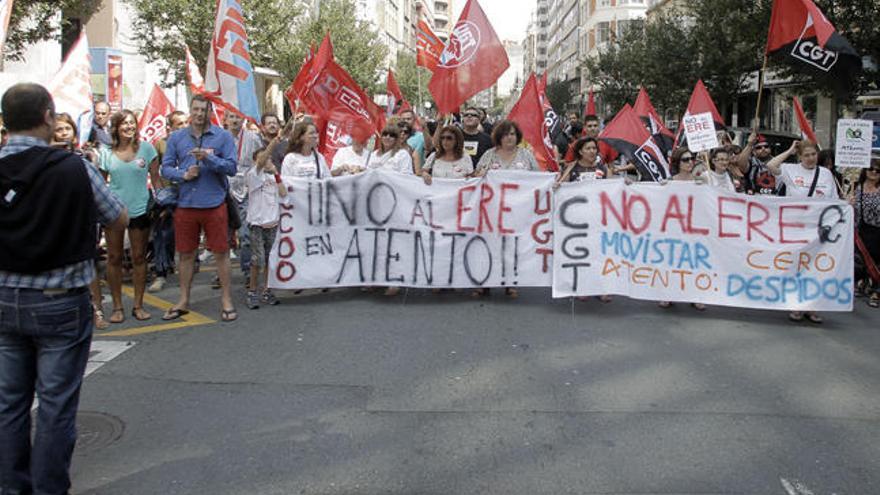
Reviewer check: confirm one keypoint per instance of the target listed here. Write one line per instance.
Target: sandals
(140, 315)
(228, 315)
(796, 316)
(814, 318)
(477, 293)
(605, 299)
(100, 322)
(392, 291)
(117, 316)
(699, 306)
(174, 313)
(874, 302)
(511, 292)
(664, 304)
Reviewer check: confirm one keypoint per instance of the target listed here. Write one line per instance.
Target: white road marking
(101, 353)
(795, 487)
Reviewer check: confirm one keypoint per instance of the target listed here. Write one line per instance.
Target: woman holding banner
(65, 139)
(682, 166)
(506, 154)
(586, 168)
(352, 159)
(803, 180)
(390, 155)
(129, 162)
(302, 158)
(449, 161)
(865, 198)
(719, 171)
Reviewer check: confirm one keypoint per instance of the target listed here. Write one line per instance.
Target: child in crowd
(264, 190)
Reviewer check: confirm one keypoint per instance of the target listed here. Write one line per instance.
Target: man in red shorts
(200, 158)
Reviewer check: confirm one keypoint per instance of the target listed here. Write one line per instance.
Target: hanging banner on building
(387, 229)
(690, 243)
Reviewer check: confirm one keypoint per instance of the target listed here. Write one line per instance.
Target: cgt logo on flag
(809, 51)
(652, 159)
(462, 46)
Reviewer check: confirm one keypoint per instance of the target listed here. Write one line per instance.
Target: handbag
(234, 219)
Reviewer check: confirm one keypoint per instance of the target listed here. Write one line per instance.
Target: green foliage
(407, 74)
(162, 28)
(721, 42)
(356, 44)
(33, 21)
(559, 94)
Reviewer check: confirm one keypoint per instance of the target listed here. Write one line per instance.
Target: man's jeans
(244, 238)
(44, 347)
(163, 244)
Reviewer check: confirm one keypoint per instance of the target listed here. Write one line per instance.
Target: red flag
(628, 135)
(428, 46)
(341, 109)
(804, 37)
(806, 128)
(591, 104)
(307, 74)
(396, 101)
(472, 61)
(646, 111)
(700, 102)
(152, 123)
(529, 115)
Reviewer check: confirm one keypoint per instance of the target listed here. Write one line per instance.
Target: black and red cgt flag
(645, 110)
(628, 135)
(801, 35)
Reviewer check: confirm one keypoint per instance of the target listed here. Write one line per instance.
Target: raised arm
(775, 164)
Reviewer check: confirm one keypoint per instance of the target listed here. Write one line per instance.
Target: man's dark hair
(102, 102)
(24, 106)
(575, 129)
(591, 118)
(579, 145)
(266, 116)
(202, 98)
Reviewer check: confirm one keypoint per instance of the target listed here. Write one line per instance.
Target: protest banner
(385, 229)
(699, 130)
(691, 243)
(854, 138)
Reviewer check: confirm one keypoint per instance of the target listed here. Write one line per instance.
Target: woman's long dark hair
(116, 121)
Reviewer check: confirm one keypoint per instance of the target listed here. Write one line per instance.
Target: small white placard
(700, 132)
(853, 143)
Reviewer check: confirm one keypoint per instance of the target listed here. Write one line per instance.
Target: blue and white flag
(229, 77)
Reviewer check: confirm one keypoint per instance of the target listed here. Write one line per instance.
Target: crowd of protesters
(219, 188)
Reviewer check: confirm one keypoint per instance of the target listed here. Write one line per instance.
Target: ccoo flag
(152, 126)
(229, 77)
(802, 35)
(472, 60)
(628, 135)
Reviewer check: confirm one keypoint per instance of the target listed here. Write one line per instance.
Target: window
(603, 32)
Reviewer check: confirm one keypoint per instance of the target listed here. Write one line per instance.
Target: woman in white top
(718, 173)
(302, 158)
(798, 177)
(352, 159)
(682, 165)
(449, 162)
(799, 180)
(390, 155)
(507, 154)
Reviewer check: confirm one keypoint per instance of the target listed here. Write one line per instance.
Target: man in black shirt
(752, 161)
(475, 142)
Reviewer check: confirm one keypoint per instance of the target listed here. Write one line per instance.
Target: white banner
(386, 229)
(691, 243)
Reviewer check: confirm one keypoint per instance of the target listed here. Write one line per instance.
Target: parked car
(874, 116)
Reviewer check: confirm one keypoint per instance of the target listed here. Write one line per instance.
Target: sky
(510, 18)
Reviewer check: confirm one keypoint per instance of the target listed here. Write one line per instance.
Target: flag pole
(419, 91)
(757, 120)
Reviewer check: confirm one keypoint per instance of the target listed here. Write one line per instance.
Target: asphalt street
(355, 393)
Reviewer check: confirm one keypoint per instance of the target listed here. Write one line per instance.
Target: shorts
(190, 222)
(262, 240)
(140, 223)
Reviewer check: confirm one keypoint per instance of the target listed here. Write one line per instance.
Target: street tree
(33, 21)
(559, 95)
(356, 44)
(408, 74)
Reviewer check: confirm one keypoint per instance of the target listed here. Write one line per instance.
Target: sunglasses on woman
(447, 138)
(687, 159)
